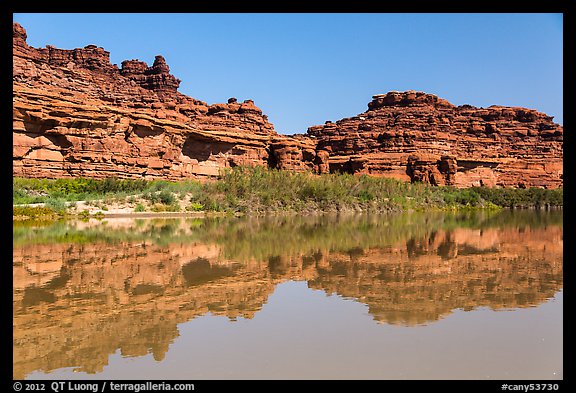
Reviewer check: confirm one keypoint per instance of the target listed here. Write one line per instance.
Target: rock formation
(76, 114)
(156, 78)
(415, 136)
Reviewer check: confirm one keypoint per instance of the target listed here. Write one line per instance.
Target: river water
(411, 296)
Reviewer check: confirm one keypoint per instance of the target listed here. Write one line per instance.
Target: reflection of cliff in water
(82, 291)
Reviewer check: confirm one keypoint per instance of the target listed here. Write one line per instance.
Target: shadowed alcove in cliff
(272, 160)
(42, 130)
(201, 150)
(337, 167)
(143, 131)
(60, 141)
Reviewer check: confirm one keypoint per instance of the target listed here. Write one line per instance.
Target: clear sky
(304, 69)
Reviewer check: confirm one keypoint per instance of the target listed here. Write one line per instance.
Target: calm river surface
(414, 296)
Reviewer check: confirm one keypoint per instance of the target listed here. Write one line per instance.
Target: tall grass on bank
(27, 191)
(260, 190)
(256, 190)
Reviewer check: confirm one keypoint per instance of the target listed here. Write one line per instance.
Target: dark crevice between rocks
(201, 150)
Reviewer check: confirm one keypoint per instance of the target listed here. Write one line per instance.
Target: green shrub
(194, 207)
(365, 196)
(164, 197)
(56, 204)
(40, 190)
(139, 208)
(33, 212)
(160, 207)
(258, 190)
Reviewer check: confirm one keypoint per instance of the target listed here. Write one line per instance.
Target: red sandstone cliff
(420, 137)
(76, 114)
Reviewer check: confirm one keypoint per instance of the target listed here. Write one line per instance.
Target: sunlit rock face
(415, 136)
(76, 114)
(84, 291)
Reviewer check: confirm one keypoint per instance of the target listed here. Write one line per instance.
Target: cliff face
(76, 114)
(415, 136)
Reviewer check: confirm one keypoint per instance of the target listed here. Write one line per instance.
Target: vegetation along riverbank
(257, 190)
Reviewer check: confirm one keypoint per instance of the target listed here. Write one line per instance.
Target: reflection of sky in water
(330, 338)
(151, 297)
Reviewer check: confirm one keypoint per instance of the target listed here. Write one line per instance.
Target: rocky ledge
(76, 114)
(420, 137)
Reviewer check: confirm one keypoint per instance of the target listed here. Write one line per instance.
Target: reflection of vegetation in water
(75, 304)
(158, 231)
(261, 238)
(520, 218)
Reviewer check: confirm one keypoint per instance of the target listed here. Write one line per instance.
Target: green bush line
(260, 190)
(34, 212)
(245, 238)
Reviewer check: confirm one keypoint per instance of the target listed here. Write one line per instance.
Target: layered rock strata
(415, 136)
(76, 114)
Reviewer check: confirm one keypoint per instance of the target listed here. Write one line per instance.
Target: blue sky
(304, 69)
